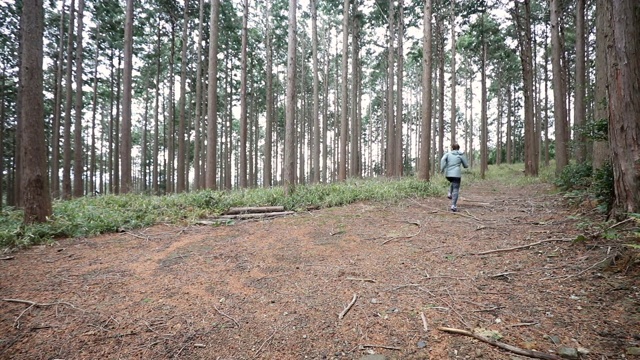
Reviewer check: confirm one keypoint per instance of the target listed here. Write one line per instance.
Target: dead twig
(523, 324)
(8, 258)
(513, 349)
(416, 223)
(33, 304)
(585, 270)
(346, 310)
(424, 322)
(227, 316)
(359, 279)
(521, 247)
(381, 347)
(264, 342)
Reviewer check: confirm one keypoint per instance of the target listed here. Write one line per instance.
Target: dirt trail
(274, 289)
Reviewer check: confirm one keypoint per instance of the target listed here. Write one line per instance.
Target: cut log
(254, 216)
(254, 210)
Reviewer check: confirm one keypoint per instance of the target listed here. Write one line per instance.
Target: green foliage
(90, 216)
(602, 187)
(575, 177)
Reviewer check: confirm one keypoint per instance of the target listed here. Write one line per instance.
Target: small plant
(575, 177)
(602, 187)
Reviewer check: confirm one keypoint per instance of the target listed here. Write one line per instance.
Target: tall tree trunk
(55, 131)
(156, 119)
(2, 120)
(182, 146)
(212, 97)
(315, 164)
(66, 169)
(425, 146)
(197, 151)
(601, 152)
(484, 131)
(454, 117)
(391, 136)
(624, 109)
(509, 126)
(354, 169)
(170, 171)
(268, 131)
(344, 126)
(243, 98)
(110, 147)
(116, 127)
(325, 114)
(546, 96)
(289, 156)
(523, 18)
(441, 40)
(399, 105)
(35, 184)
(94, 114)
(559, 101)
(125, 146)
(579, 104)
(78, 168)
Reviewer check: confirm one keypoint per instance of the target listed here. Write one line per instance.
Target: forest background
(316, 92)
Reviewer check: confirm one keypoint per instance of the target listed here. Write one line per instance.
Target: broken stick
(513, 349)
(346, 310)
(521, 247)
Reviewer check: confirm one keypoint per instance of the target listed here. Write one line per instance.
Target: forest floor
(274, 289)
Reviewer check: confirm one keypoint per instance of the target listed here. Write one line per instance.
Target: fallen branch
(520, 247)
(359, 279)
(8, 258)
(227, 316)
(254, 216)
(513, 349)
(32, 304)
(346, 310)
(254, 210)
(424, 322)
(408, 236)
(381, 347)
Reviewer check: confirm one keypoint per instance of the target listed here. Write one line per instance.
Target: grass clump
(90, 216)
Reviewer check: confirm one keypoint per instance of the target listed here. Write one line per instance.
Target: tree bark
(66, 168)
(399, 100)
(559, 104)
(197, 151)
(212, 97)
(94, 113)
(344, 126)
(243, 98)
(34, 183)
(579, 104)
(182, 146)
(289, 157)
(425, 137)
(391, 132)
(315, 164)
(523, 18)
(624, 109)
(78, 168)
(156, 120)
(125, 146)
(601, 151)
(268, 132)
(453, 73)
(55, 131)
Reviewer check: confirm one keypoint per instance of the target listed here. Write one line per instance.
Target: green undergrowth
(95, 215)
(111, 213)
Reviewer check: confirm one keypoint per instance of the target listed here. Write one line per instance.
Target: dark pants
(454, 189)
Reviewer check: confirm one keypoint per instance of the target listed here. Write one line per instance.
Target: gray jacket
(450, 163)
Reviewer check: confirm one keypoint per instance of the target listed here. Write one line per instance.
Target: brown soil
(273, 289)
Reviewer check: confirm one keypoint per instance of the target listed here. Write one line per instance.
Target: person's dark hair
(455, 147)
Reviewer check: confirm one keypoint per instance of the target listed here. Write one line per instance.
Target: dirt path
(274, 289)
